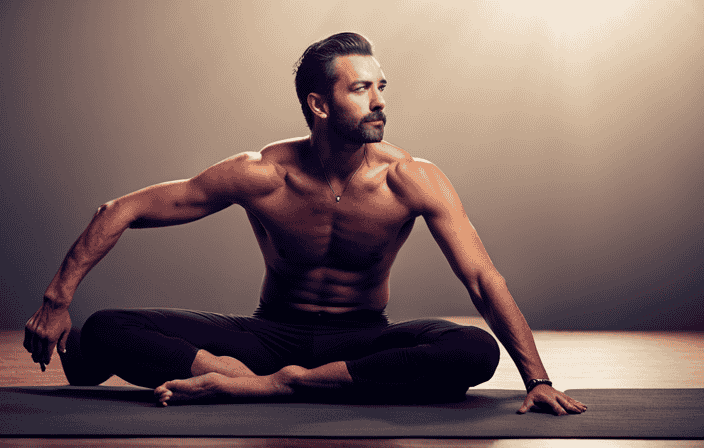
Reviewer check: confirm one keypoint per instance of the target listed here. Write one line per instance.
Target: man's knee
(477, 354)
(469, 357)
(448, 360)
(98, 323)
(100, 330)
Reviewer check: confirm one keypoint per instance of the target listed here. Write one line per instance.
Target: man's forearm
(498, 308)
(106, 227)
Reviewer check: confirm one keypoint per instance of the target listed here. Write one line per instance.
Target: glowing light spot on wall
(568, 17)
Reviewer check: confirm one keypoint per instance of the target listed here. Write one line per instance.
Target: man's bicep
(452, 230)
(460, 243)
(432, 195)
(168, 203)
(187, 200)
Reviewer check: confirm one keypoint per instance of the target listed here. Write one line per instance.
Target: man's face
(357, 106)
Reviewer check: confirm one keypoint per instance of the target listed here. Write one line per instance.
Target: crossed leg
(140, 346)
(286, 382)
(431, 356)
(176, 352)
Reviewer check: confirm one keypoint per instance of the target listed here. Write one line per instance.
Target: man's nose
(377, 102)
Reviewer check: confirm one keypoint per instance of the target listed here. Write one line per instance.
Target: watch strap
(530, 385)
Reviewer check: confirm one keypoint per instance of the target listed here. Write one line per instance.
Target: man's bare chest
(363, 228)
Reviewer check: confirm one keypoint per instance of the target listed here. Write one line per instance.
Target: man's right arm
(165, 204)
(160, 205)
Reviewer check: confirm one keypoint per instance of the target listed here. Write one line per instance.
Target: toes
(164, 397)
(163, 394)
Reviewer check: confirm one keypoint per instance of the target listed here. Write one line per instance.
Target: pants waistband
(295, 316)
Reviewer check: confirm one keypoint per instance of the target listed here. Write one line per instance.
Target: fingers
(542, 402)
(40, 351)
(40, 348)
(39, 354)
(36, 348)
(36, 351)
(560, 404)
(61, 347)
(557, 408)
(547, 402)
(32, 342)
(571, 405)
(51, 345)
(527, 404)
(43, 331)
(48, 350)
(32, 345)
(27, 339)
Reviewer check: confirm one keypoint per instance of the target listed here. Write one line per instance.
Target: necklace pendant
(337, 198)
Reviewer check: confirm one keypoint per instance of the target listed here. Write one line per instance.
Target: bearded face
(368, 129)
(356, 103)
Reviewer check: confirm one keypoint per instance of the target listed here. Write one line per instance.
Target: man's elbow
(118, 212)
(492, 278)
(480, 281)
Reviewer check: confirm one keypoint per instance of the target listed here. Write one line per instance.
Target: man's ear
(318, 105)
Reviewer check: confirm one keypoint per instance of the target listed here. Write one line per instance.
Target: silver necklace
(339, 196)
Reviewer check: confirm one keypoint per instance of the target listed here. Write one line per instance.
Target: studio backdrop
(572, 131)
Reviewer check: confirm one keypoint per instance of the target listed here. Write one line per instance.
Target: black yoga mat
(124, 411)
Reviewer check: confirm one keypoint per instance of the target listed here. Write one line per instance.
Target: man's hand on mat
(545, 397)
(46, 329)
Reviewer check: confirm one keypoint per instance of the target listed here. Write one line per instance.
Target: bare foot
(212, 385)
(196, 388)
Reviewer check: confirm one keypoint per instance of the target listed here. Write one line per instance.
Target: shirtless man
(330, 212)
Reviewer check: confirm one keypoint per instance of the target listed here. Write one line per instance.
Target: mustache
(375, 116)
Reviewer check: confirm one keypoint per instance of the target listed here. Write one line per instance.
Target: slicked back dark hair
(314, 70)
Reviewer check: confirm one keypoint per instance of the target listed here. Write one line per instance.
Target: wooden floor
(575, 360)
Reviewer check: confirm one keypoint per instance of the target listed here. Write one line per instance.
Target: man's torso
(323, 255)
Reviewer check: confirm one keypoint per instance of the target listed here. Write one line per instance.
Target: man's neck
(339, 158)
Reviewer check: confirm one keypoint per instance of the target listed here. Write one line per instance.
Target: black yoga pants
(430, 358)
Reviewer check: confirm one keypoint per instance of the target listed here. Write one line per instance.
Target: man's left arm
(459, 241)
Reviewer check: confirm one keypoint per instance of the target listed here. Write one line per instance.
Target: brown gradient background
(572, 134)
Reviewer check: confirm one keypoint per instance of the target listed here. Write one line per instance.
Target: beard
(356, 131)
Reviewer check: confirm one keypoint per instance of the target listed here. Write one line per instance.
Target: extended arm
(160, 205)
(164, 204)
(469, 260)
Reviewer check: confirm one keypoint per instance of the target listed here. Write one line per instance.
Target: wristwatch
(530, 385)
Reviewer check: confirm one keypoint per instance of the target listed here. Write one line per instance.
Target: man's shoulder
(270, 160)
(255, 172)
(399, 157)
(284, 151)
(412, 178)
(402, 165)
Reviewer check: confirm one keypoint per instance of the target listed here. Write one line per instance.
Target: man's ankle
(288, 380)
